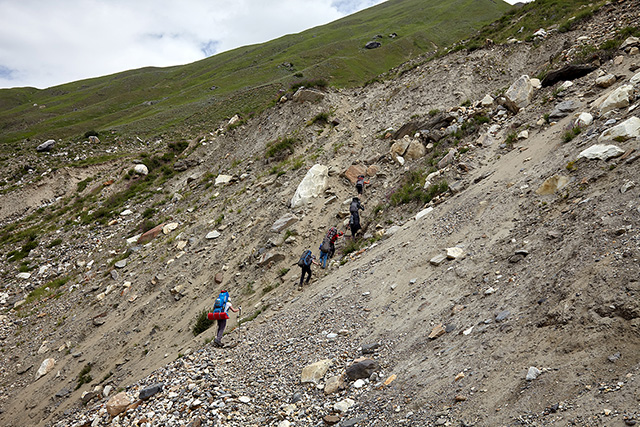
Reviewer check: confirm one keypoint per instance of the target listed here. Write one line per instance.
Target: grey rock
(370, 348)
(46, 146)
(362, 369)
(372, 45)
(533, 373)
(147, 392)
(503, 315)
(121, 264)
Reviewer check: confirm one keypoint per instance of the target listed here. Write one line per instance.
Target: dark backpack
(331, 233)
(305, 259)
(360, 181)
(221, 302)
(326, 245)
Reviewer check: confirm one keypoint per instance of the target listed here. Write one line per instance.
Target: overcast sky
(45, 43)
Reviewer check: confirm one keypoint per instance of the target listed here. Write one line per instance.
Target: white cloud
(45, 43)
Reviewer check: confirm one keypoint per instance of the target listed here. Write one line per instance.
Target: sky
(45, 43)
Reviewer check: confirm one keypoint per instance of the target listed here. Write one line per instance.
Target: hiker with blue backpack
(306, 259)
(221, 313)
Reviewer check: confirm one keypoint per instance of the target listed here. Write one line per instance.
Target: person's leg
(332, 251)
(323, 258)
(308, 271)
(302, 277)
(222, 323)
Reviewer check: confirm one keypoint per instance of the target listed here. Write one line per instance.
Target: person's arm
(235, 310)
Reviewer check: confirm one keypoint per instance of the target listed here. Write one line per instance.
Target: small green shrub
(571, 133)
(309, 83)
(84, 377)
(55, 242)
(320, 118)
(202, 323)
(282, 147)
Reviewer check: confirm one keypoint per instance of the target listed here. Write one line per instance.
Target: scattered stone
(147, 392)
(284, 222)
(331, 419)
(627, 186)
(553, 184)
(455, 253)
(372, 45)
(423, 213)
(503, 315)
(344, 405)
(606, 80)
(562, 110)
(437, 331)
(619, 98)
(334, 384)
(628, 129)
(223, 180)
(533, 373)
(370, 348)
(584, 120)
(151, 234)
(118, 404)
(169, 227)
(362, 369)
(614, 357)
(314, 372)
(437, 260)
(121, 264)
(308, 95)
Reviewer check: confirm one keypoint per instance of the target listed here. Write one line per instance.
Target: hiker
(325, 248)
(354, 221)
(360, 182)
(305, 262)
(221, 314)
(333, 234)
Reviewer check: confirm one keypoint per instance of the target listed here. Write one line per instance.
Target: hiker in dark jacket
(305, 263)
(325, 248)
(354, 221)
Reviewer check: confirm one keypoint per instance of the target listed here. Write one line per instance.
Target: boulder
(284, 222)
(563, 109)
(151, 234)
(118, 404)
(233, 120)
(606, 80)
(219, 277)
(400, 147)
(46, 146)
(584, 120)
(487, 101)
(223, 179)
(408, 129)
(45, 367)
(213, 235)
(628, 129)
(630, 42)
(94, 139)
(619, 98)
(520, 92)
(601, 152)
(372, 170)
(308, 95)
(448, 159)
(362, 369)
(635, 80)
(372, 45)
(269, 257)
(415, 150)
(353, 171)
(312, 185)
(569, 72)
(314, 372)
(141, 169)
(423, 213)
(455, 253)
(551, 185)
(169, 227)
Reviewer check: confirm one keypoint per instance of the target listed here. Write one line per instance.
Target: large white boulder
(601, 152)
(619, 98)
(312, 185)
(628, 129)
(520, 92)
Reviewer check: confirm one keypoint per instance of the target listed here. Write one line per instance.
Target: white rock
(520, 92)
(627, 186)
(313, 185)
(223, 179)
(455, 252)
(23, 275)
(126, 212)
(524, 134)
(635, 80)
(423, 213)
(628, 129)
(169, 227)
(487, 101)
(533, 373)
(244, 399)
(46, 367)
(344, 405)
(213, 235)
(536, 83)
(601, 152)
(359, 383)
(584, 119)
(619, 98)
(606, 81)
(566, 85)
(141, 169)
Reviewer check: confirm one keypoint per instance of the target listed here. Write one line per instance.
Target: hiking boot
(217, 343)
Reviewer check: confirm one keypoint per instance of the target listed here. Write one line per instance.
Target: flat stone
(314, 372)
(362, 369)
(437, 331)
(455, 253)
(533, 373)
(147, 392)
(437, 260)
(213, 235)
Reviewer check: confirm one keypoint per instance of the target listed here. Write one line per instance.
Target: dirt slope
(546, 281)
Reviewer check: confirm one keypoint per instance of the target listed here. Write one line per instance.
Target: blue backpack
(221, 302)
(305, 259)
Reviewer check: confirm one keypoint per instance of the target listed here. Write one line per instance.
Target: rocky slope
(532, 319)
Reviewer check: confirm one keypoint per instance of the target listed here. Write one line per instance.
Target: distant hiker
(360, 182)
(333, 234)
(306, 259)
(354, 221)
(221, 314)
(325, 248)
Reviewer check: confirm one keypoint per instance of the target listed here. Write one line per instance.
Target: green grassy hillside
(153, 102)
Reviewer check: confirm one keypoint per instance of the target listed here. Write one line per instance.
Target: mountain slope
(149, 102)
